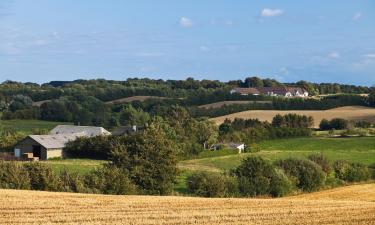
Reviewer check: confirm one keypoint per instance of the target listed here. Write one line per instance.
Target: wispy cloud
(268, 12)
(334, 55)
(357, 16)
(204, 48)
(186, 22)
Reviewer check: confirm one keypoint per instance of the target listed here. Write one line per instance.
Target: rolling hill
(133, 98)
(338, 206)
(226, 103)
(355, 113)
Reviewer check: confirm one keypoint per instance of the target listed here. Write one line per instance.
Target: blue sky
(319, 41)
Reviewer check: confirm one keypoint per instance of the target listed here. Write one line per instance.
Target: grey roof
(86, 130)
(55, 141)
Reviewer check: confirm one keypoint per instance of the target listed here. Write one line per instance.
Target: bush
(41, 177)
(257, 176)
(351, 172)
(109, 180)
(337, 124)
(71, 182)
(322, 161)
(307, 175)
(13, 176)
(208, 184)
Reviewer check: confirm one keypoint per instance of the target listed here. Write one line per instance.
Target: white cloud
(334, 55)
(369, 56)
(204, 49)
(284, 70)
(186, 22)
(357, 16)
(267, 12)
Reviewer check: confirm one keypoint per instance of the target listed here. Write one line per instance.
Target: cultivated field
(332, 207)
(133, 98)
(224, 103)
(355, 113)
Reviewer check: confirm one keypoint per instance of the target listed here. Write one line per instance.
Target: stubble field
(339, 206)
(354, 113)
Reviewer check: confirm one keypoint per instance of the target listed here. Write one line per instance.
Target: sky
(289, 40)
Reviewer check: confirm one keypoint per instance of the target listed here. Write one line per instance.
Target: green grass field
(27, 126)
(81, 166)
(351, 149)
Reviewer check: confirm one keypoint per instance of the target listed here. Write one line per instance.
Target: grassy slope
(81, 166)
(351, 149)
(348, 205)
(27, 125)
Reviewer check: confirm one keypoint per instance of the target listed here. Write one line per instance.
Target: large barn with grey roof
(51, 146)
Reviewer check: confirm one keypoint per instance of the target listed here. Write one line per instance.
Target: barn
(44, 147)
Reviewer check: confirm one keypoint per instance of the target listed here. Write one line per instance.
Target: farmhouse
(127, 130)
(48, 146)
(240, 147)
(288, 92)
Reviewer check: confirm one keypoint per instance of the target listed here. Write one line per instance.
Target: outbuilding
(43, 147)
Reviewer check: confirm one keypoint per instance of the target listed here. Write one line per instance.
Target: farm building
(48, 146)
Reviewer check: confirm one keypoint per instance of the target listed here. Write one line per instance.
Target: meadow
(356, 149)
(346, 205)
(354, 113)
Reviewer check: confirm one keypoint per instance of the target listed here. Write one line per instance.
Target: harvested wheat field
(354, 113)
(133, 98)
(226, 103)
(29, 207)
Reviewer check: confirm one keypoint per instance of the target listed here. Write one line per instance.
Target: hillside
(37, 208)
(355, 113)
(133, 98)
(226, 103)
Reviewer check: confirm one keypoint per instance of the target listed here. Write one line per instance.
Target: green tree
(149, 159)
(257, 176)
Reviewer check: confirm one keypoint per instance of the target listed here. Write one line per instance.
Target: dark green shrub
(351, 172)
(109, 180)
(71, 182)
(13, 176)
(307, 175)
(322, 161)
(208, 184)
(41, 177)
(257, 176)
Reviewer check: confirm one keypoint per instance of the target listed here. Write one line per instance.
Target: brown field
(348, 205)
(354, 113)
(133, 98)
(223, 103)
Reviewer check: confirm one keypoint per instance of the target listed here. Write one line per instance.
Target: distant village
(288, 92)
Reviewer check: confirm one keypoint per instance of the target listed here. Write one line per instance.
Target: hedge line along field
(355, 113)
(30, 207)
